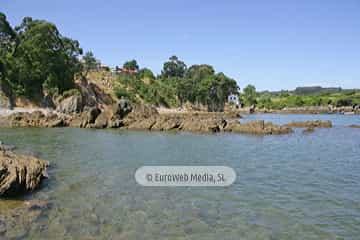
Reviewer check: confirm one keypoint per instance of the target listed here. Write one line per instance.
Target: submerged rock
(354, 126)
(307, 124)
(257, 127)
(17, 217)
(20, 174)
(5, 147)
(92, 114)
(309, 130)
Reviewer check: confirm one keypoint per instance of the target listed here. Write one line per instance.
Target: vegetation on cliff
(35, 58)
(177, 84)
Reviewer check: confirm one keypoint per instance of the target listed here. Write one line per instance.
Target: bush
(120, 92)
(71, 92)
(344, 102)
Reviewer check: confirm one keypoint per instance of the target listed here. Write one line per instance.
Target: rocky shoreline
(143, 117)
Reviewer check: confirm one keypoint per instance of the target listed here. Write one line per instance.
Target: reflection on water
(288, 187)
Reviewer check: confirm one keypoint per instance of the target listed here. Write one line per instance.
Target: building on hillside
(234, 99)
(124, 70)
(104, 67)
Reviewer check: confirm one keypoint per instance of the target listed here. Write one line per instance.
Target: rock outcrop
(72, 104)
(34, 119)
(354, 126)
(145, 117)
(4, 101)
(93, 95)
(307, 124)
(20, 174)
(257, 127)
(178, 122)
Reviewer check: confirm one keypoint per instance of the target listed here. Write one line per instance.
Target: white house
(233, 98)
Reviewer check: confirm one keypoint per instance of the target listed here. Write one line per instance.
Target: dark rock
(93, 113)
(57, 123)
(48, 102)
(103, 119)
(252, 109)
(122, 108)
(354, 126)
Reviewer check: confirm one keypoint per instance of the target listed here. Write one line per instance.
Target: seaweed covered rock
(20, 174)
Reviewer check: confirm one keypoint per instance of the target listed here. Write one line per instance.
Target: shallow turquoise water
(293, 186)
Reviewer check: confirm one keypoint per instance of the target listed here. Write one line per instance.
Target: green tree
(173, 68)
(90, 62)
(249, 95)
(131, 65)
(146, 73)
(41, 58)
(8, 43)
(202, 85)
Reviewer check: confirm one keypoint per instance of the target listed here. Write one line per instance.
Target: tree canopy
(37, 57)
(173, 68)
(131, 65)
(249, 95)
(90, 62)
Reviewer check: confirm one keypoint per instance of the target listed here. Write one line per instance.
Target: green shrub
(122, 93)
(71, 92)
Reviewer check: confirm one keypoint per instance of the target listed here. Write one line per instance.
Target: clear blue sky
(271, 44)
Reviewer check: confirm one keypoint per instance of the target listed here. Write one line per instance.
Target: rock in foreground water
(20, 174)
